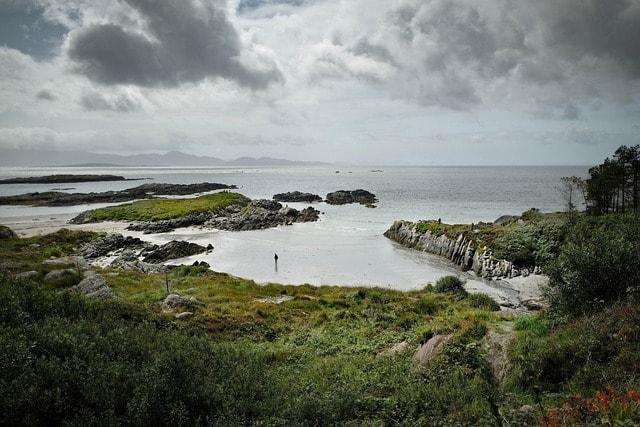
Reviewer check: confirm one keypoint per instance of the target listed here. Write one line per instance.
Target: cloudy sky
(363, 81)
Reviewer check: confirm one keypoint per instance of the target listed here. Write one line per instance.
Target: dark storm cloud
(563, 46)
(601, 28)
(182, 42)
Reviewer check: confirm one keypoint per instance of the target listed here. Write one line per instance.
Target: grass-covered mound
(163, 209)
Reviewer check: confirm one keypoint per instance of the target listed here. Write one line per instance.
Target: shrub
(597, 267)
(450, 285)
(483, 301)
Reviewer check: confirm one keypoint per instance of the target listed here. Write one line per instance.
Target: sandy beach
(37, 225)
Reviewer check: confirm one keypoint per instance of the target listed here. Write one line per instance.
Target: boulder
(342, 197)
(94, 286)
(430, 349)
(102, 246)
(297, 196)
(25, 275)
(6, 233)
(506, 220)
(172, 301)
(171, 250)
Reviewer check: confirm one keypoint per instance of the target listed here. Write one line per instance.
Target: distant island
(62, 179)
(52, 158)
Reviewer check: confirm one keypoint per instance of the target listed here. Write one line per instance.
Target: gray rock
(103, 246)
(94, 286)
(297, 196)
(184, 315)
(430, 349)
(6, 233)
(25, 275)
(342, 197)
(172, 301)
(173, 249)
(506, 220)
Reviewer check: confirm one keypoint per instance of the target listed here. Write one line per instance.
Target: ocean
(346, 247)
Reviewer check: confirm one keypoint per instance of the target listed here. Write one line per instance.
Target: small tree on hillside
(573, 191)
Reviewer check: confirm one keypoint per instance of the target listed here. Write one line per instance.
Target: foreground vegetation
(301, 355)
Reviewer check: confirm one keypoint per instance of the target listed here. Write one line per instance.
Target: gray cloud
(121, 103)
(180, 42)
(607, 29)
(571, 112)
(45, 95)
(460, 54)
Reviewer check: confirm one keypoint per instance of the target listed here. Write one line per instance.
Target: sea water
(346, 247)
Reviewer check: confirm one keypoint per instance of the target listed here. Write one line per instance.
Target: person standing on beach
(275, 258)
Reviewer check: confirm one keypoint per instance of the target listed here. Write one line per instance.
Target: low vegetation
(162, 209)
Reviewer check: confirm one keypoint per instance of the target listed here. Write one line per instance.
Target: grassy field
(161, 209)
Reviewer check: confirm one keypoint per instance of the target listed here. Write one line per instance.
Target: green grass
(162, 209)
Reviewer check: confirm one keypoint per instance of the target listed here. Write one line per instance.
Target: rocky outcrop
(430, 349)
(6, 233)
(459, 250)
(132, 253)
(102, 246)
(94, 286)
(145, 191)
(297, 196)
(166, 226)
(172, 250)
(257, 215)
(343, 197)
(261, 214)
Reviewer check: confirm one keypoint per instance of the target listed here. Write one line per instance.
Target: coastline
(317, 259)
(38, 225)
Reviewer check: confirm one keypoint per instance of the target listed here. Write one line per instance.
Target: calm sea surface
(346, 246)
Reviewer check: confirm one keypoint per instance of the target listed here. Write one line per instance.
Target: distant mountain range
(9, 157)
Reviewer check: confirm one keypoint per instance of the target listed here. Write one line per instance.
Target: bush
(450, 285)
(530, 324)
(483, 301)
(597, 267)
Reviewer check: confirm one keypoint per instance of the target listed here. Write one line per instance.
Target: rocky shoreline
(460, 251)
(145, 191)
(256, 215)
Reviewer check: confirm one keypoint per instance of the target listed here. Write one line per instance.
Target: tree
(573, 188)
(614, 186)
